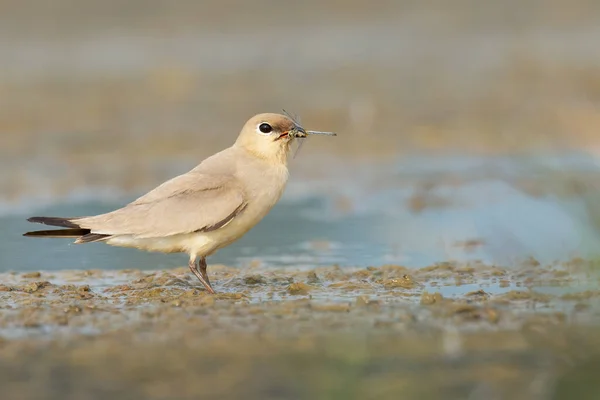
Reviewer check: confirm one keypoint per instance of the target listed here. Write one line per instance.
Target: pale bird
(204, 209)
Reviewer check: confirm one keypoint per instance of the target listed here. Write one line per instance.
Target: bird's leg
(202, 266)
(200, 272)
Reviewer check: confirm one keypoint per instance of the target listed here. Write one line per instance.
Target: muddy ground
(444, 331)
(100, 99)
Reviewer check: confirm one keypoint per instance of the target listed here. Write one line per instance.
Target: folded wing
(193, 202)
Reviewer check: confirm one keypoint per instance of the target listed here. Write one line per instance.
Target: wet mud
(454, 329)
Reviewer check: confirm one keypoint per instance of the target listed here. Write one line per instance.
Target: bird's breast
(263, 190)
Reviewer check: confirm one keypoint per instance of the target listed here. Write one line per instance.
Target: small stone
(481, 294)
(254, 280)
(405, 282)
(431, 298)
(312, 277)
(298, 288)
(35, 286)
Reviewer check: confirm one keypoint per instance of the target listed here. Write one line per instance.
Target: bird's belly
(231, 232)
(209, 242)
(198, 243)
(170, 244)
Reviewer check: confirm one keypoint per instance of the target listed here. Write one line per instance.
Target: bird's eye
(265, 128)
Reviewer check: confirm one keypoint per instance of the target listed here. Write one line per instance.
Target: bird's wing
(193, 202)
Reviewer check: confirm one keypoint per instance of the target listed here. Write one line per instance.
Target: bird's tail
(55, 221)
(72, 230)
(58, 233)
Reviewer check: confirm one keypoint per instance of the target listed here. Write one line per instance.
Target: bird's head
(270, 136)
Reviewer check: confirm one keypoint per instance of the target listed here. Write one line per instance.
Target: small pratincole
(204, 209)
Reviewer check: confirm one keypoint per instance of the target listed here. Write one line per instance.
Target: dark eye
(265, 128)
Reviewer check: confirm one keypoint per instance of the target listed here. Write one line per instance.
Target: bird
(205, 209)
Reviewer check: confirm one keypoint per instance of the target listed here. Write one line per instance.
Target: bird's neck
(277, 155)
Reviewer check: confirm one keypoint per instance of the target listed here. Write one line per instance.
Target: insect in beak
(295, 133)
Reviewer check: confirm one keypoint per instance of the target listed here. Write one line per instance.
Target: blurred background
(467, 130)
(458, 121)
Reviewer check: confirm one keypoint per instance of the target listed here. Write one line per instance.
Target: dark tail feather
(54, 221)
(64, 233)
(73, 230)
(82, 235)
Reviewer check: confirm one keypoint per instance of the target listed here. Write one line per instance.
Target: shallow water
(414, 212)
